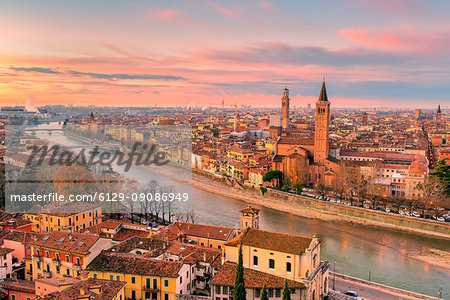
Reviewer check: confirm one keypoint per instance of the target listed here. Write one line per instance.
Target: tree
(264, 295)
(286, 185)
(286, 291)
(298, 187)
(239, 284)
(434, 193)
(442, 171)
(274, 175)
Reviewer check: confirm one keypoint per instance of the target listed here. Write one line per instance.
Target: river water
(355, 249)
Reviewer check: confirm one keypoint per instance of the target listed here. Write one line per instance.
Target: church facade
(310, 161)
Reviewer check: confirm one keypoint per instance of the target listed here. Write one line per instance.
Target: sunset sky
(145, 53)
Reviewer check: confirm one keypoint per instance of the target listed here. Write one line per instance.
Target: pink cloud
(266, 6)
(406, 39)
(168, 14)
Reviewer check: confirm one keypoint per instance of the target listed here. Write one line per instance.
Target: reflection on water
(357, 250)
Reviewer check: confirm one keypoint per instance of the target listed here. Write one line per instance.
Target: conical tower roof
(323, 93)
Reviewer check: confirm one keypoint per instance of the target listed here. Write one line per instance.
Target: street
(364, 291)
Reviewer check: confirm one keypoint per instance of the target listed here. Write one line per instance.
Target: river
(355, 249)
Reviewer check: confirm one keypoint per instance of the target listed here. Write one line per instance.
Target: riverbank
(213, 185)
(430, 256)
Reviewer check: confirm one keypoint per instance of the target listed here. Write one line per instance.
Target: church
(310, 161)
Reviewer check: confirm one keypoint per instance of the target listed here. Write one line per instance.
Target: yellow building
(79, 217)
(240, 154)
(62, 254)
(146, 278)
(287, 256)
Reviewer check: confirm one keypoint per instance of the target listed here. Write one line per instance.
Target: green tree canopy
(442, 171)
(286, 291)
(264, 295)
(274, 175)
(239, 284)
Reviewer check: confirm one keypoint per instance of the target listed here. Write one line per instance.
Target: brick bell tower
(322, 129)
(285, 108)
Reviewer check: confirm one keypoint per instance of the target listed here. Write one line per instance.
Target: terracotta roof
(281, 242)
(64, 241)
(149, 244)
(134, 264)
(21, 236)
(250, 210)
(18, 285)
(253, 278)
(178, 229)
(99, 289)
(4, 251)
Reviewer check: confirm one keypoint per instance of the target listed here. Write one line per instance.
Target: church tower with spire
(285, 108)
(438, 114)
(322, 129)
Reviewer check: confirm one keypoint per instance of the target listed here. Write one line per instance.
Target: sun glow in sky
(146, 53)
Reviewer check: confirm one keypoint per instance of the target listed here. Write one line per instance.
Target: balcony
(150, 289)
(65, 226)
(36, 258)
(56, 262)
(77, 267)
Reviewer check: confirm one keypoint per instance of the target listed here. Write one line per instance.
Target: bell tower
(322, 127)
(285, 108)
(249, 218)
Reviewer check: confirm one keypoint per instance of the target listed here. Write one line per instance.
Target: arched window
(271, 264)
(288, 267)
(255, 260)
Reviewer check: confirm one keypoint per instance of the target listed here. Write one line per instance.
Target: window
(288, 267)
(278, 293)
(78, 261)
(181, 279)
(255, 260)
(67, 258)
(133, 294)
(155, 283)
(47, 253)
(39, 265)
(13, 297)
(147, 282)
(133, 280)
(257, 293)
(166, 296)
(94, 275)
(270, 293)
(217, 289)
(271, 264)
(118, 277)
(68, 272)
(166, 283)
(111, 277)
(57, 269)
(225, 290)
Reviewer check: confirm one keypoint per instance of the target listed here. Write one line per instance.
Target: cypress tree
(286, 291)
(264, 295)
(239, 284)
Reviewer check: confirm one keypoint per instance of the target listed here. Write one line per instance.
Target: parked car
(442, 219)
(351, 293)
(415, 214)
